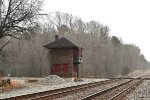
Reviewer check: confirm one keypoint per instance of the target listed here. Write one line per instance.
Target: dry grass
(7, 87)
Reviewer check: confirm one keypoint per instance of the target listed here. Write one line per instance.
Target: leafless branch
(4, 45)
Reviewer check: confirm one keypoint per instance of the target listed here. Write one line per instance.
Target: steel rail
(139, 79)
(125, 91)
(63, 93)
(103, 91)
(38, 95)
(72, 89)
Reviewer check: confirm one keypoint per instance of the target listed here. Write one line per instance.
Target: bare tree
(103, 55)
(17, 16)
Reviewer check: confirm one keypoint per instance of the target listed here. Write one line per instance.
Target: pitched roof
(61, 43)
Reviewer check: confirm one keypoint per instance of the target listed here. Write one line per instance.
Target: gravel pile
(52, 80)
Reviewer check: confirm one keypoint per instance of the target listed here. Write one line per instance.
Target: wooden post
(77, 71)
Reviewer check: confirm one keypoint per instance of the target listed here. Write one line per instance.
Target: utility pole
(0, 11)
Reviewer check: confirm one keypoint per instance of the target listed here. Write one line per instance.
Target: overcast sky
(128, 19)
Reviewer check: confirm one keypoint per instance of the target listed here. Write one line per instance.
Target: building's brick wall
(62, 56)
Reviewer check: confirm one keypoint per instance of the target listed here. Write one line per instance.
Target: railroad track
(57, 93)
(114, 92)
(119, 91)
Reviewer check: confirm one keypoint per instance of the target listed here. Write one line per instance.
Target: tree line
(103, 55)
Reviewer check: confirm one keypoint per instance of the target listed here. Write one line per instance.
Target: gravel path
(29, 88)
(33, 88)
(142, 92)
(138, 73)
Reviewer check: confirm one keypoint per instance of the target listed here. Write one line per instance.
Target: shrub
(1, 73)
(125, 70)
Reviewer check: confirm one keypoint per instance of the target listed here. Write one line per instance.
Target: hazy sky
(128, 19)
